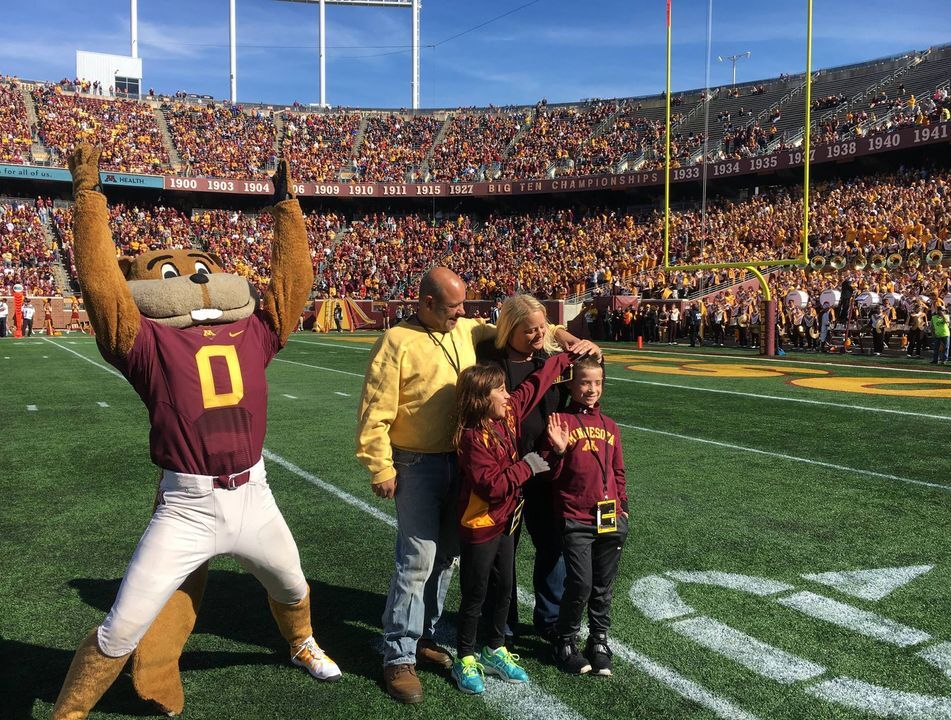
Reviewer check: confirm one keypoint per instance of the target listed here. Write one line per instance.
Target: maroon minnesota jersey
(205, 390)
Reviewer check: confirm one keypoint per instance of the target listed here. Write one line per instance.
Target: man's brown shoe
(402, 683)
(429, 653)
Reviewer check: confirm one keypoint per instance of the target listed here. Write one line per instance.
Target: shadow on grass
(234, 609)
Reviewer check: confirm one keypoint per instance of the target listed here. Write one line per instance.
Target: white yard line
(852, 618)
(780, 398)
(102, 404)
(938, 655)
(880, 701)
(89, 360)
(761, 658)
(784, 456)
(318, 367)
(341, 394)
(731, 581)
(658, 599)
(872, 584)
(290, 397)
(343, 345)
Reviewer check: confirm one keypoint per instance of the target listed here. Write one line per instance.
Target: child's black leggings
(480, 565)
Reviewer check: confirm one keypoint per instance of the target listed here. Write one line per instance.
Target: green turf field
(742, 481)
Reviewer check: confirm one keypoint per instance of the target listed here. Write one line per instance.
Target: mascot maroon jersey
(205, 390)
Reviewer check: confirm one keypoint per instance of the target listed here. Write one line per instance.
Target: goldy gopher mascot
(193, 343)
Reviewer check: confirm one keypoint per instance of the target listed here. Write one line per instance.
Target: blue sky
(552, 49)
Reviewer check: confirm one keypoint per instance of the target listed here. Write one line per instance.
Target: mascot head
(182, 288)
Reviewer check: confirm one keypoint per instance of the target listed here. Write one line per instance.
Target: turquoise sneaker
(503, 664)
(467, 672)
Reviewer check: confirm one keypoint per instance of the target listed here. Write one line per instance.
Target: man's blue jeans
(940, 346)
(427, 543)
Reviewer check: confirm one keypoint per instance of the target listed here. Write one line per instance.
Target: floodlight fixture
(734, 59)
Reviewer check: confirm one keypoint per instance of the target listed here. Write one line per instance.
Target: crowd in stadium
(394, 145)
(556, 253)
(125, 129)
(474, 140)
(554, 136)
(221, 141)
(318, 145)
(15, 134)
(26, 256)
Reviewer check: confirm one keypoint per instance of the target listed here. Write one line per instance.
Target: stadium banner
(32, 172)
(130, 180)
(843, 151)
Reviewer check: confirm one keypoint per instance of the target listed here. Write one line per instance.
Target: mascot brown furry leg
(172, 321)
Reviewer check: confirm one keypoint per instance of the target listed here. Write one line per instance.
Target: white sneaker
(316, 661)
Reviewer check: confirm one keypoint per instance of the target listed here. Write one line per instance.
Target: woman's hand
(558, 432)
(579, 348)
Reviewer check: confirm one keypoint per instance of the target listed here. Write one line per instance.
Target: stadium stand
(474, 145)
(318, 145)
(214, 139)
(554, 135)
(126, 129)
(27, 258)
(394, 146)
(221, 140)
(15, 134)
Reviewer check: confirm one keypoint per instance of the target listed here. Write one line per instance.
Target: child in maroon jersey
(490, 506)
(591, 498)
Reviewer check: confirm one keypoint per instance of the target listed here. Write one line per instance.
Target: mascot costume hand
(194, 343)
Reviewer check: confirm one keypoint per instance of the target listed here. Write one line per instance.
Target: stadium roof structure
(413, 5)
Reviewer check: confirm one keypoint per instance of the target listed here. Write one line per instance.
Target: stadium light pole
(734, 59)
(134, 22)
(233, 54)
(413, 5)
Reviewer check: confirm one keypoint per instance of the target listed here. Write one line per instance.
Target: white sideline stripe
(744, 583)
(89, 360)
(873, 584)
(669, 677)
(938, 655)
(332, 489)
(761, 658)
(852, 618)
(781, 360)
(345, 346)
(658, 598)
(318, 367)
(884, 702)
(784, 456)
(779, 398)
(31, 408)
(102, 404)
(342, 394)
(290, 397)
(674, 680)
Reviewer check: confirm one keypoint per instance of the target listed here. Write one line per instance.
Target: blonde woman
(523, 341)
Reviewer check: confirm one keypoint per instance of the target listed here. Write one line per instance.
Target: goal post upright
(803, 259)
